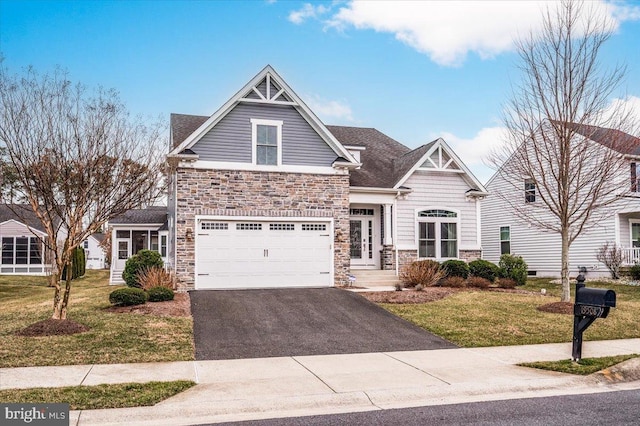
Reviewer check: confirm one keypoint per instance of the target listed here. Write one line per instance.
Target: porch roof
(152, 214)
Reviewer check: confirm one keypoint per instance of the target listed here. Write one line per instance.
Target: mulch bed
(565, 308)
(53, 327)
(430, 294)
(180, 306)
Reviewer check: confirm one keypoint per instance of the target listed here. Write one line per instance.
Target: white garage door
(263, 254)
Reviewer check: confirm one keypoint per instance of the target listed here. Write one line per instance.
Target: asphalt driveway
(232, 324)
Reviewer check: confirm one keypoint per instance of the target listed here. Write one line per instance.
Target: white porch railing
(630, 256)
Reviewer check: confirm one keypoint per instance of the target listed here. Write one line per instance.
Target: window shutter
(634, 178)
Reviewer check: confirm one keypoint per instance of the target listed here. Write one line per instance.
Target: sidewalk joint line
(79, 415)
(195, 371)
(371, 401)
(416, 368)
(86, 375)
(314, 374)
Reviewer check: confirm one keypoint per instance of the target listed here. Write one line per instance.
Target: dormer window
(267, 142)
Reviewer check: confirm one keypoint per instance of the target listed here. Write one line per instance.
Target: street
(618, 408)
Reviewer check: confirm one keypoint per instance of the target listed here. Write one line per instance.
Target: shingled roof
(25, 215)
(384, 160)
(615, 139)
(152, 214)
(378, 158)
(182, 125)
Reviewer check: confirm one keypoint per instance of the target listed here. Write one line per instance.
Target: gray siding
(230, 139)
(15, 229)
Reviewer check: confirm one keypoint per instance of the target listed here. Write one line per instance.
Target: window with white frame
(437, 234)
(21, 251)
(635, 234)
(267, 142)
(505, 240)
(529, 191)
(635, 177)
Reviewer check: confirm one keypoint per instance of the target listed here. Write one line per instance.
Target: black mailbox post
(590, 304)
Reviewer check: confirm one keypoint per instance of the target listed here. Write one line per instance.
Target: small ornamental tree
(611, 256)
(76, 159)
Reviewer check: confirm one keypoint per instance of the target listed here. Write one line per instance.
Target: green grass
(482, 318)
(113, 337)
(101, 396)
(583, 367)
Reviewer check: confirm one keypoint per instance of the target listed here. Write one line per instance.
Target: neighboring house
(263, 194)
(503, 232)
(22, 236)
(141, 229)
(93, 251)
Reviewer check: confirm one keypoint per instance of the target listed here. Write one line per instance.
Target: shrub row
(457, 273)
(129, 296)
(78, 265)
(146, 279)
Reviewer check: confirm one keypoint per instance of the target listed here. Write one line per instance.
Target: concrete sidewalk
(245, 389)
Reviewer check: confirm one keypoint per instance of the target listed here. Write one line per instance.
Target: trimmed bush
(478, 282)
(78, 266)
(456, 268)
(149, 278)
(506, 283)
(455, 282)
(160, 294)
(483, 269)
(142, 260)
(513, 267)
(634, 271)
(424, 272)
(128, 297)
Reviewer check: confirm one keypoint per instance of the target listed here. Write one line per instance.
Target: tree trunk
(61, 299)
(564, 271)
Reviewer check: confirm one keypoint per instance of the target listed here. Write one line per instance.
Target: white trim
(31, 229)
(266, 101)
(227, 165)
(437, 220)
(300, 106)
(388, 237)
(500, 240)
(478, 223)
(631, 222)
(440, 143)
(255, 122)
(375, 190)
(329, 220)
(616, 228)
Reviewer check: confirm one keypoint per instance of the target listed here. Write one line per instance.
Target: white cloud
(307, 11)
(628, 107)
(474, 152)
(448, 30)
(330, 110)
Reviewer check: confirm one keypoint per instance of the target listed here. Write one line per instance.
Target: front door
(361, 238)
(122, 253)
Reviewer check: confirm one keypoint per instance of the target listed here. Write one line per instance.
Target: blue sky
(415, 71)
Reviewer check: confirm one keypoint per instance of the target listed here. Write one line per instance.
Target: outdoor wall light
(189, 234)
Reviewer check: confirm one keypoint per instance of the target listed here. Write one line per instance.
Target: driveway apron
(233, 324)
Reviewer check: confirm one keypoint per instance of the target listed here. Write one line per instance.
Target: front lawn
(476, 318)
(112, 338)
(119, 395)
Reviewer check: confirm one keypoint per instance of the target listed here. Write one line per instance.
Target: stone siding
(252, 193)
(469, 255)
(387, 257)
(405, 258)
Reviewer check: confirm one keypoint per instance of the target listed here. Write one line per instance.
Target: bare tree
(552, 119)
(78, 159)
(611, 255)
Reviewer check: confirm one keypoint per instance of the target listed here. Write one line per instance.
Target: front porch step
(374, 278)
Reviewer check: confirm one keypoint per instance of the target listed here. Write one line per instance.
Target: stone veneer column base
(406, 258)
(388, 257)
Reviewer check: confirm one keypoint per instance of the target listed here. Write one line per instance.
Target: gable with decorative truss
(267, 91)
(440, 160)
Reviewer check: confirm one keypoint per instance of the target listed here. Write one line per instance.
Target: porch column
(388, 237)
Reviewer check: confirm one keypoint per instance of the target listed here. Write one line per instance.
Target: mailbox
(596, 297)
(590, 304)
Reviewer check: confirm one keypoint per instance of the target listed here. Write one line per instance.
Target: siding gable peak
(440, 157)
(267, 87)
